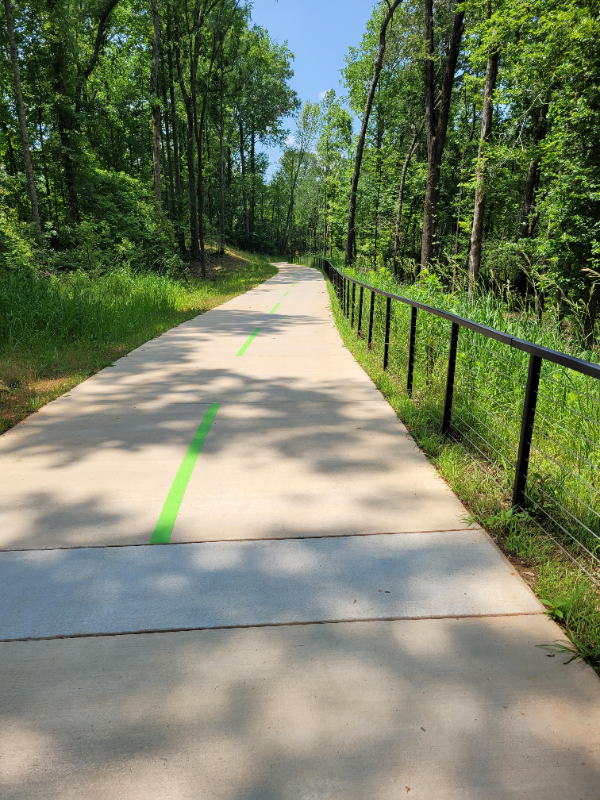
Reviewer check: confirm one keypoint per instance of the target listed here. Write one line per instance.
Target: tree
(436, 118)
(491, 74)
(350, 235)
(35, 214)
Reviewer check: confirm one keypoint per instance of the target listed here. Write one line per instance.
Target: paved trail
(315, 618)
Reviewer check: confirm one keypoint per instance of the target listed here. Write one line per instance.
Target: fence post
(411, 351)
(527, 420)
(450, 379)
(386, 341)
(371, 315)
(360, 304)
(353, 296)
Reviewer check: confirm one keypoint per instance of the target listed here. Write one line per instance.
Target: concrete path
(324, 622)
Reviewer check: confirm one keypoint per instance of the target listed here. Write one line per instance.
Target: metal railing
(530, 414)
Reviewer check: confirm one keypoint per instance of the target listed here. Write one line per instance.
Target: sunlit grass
(56, 331)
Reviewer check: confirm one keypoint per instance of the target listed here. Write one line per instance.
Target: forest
(134, 134)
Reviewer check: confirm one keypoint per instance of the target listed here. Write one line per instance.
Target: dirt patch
(216, 265)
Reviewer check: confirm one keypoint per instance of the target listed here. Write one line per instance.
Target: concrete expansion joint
(232, 540)
(290, 624)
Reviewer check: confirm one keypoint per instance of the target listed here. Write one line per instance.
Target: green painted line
(275, 307)
(286, 294)
(248, 343)
(168, 515)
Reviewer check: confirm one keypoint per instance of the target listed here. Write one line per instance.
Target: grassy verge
(571, 597)
(55, 332)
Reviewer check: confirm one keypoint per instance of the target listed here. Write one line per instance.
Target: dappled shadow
(432, 708)
(445, 708)
(90, 591)
(302, 444)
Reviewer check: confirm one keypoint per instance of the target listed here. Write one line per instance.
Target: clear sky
(319, 33)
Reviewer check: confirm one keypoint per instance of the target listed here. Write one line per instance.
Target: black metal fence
(529, 413)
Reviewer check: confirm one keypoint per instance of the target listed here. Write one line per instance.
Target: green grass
(57, 331)
(483, 484)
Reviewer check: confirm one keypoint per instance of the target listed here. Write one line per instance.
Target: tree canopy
(134, 131)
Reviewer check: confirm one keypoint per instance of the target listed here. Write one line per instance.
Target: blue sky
(319, 33)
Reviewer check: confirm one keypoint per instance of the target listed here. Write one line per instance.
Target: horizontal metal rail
(555, 356)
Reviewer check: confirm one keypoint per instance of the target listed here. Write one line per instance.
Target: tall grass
(55, 331)
(35, 310)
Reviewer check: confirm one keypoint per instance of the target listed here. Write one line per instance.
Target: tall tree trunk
(189, 114)
(436, 128)
(350, 235)
(155, 108)
(528, 218)
(168, 146)
(244, 192)
(491, 73)
(252, 183)
(176, 155)
(65, 119)
(527, 223)
(35, 213)
(222, 176)
(325, 217)
(405, 166)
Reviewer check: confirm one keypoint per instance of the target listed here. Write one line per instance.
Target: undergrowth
(570, 596)
(56, 331)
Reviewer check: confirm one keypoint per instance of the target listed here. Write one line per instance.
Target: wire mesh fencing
(530, 415)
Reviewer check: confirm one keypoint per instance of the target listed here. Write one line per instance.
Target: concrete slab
(227, 584)
(302, 434)
(433, 709)
(303, 445)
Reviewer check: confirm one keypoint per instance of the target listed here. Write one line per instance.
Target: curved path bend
(226, 571)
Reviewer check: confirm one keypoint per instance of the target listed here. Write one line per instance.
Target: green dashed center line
(248, 342)
(286, 294)
(275, 307)
(168, 515)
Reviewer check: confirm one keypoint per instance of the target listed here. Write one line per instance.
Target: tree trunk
(43, 154)
(527, 224)
(244, 193)
(350, 235)
(189, 113)
(168, 147)
(325, 218)
(65, 121)
(491, 73)
(436, 129)
(35, 214)
(252, 183)
(155, 108)
(222, 182)
(178, 206)
(405, 166)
